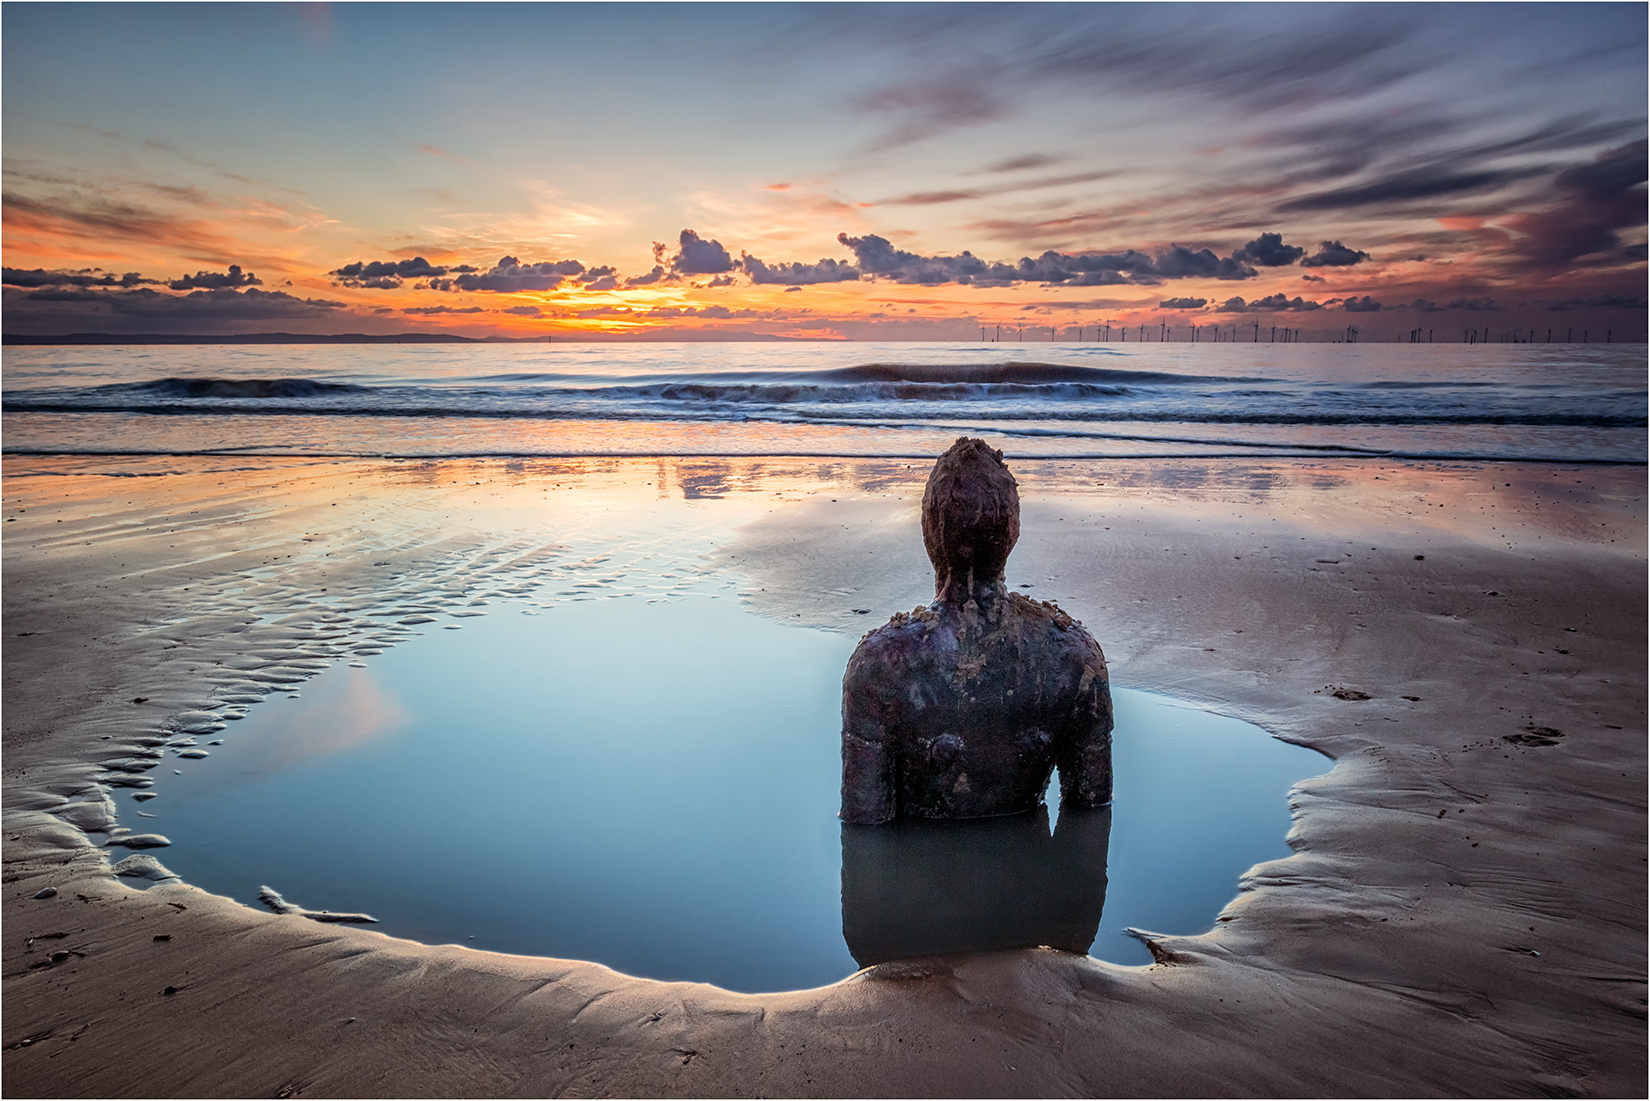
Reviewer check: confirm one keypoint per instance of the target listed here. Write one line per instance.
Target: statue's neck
(961, 588)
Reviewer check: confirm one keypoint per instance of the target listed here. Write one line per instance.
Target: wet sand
(1464, 912)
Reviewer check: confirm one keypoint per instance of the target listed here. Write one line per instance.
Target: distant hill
(268, 338)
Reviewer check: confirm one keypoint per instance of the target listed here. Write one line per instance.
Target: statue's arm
(868, 793)
(1085, 755)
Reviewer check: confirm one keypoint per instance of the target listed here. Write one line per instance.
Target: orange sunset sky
(893, 172)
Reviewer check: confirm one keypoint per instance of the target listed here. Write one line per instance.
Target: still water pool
(653, 785)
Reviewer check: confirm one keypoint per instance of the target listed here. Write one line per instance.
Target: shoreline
(1391, 954)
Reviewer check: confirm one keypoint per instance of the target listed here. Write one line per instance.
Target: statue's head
(970, 518)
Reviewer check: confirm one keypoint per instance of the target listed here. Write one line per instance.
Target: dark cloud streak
(1594, 202)
(974, 60)
(85, 277)
(931, 198)
(145, 304)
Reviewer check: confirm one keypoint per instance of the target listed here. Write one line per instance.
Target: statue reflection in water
(925, 888)
(954, 717)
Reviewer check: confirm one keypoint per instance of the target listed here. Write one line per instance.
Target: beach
(1464, 911)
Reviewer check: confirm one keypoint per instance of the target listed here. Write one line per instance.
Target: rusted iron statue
(962, 709)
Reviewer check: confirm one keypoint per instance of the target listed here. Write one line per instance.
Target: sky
(826, 171)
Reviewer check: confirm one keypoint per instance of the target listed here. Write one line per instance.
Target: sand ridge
(1464, 912)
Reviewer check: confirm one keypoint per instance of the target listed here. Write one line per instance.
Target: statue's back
(963, 712)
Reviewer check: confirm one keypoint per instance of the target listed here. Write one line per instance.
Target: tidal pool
(653, 785)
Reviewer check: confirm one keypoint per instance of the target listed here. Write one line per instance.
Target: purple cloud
(797, 274)
(85, 277)
(1333, 254)
(510, 274)
(212, 280)
(697, 256)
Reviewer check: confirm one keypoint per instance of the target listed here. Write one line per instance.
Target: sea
(1564, 403)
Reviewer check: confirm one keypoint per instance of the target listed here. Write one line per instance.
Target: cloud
(1596, 200)
(1313, 279)
(1611, 172)
(877, 257)
(428, 311)
(963, 65)
(1106, 277)
(388, 274)
(722, 313)
(1269, 251)
(511, 275)
(84, 277)
(1183, 303)
(604, 278)
(143, 303)
(717, 313)
(523, 311)
(931, 198)
(106, 219)
(250, 303)
(930, 107)
(797, 274)
(1181, 263)
(211, 280)
(657, 275)
(1334, 150)
(66, 294)
(1017, 164)
(1423, 305)
(697, 256)
(1430, 182)
(1283, 302)
(1365, 304)
(1333, 254)
(1600, 301)
(1271, 303)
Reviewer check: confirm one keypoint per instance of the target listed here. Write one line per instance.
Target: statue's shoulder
(1052, 620)
(1042, 611)
(902, 626)
(889, 647)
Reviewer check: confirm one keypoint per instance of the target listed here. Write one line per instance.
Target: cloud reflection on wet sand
(346, 712)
